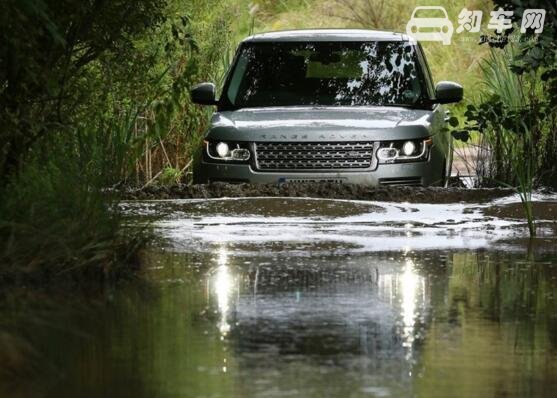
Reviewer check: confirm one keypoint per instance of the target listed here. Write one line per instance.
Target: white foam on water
(397, 227)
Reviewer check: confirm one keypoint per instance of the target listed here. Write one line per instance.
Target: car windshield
(325, 73)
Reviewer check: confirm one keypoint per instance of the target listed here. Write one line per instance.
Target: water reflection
(413, 296)
(222, 285)
(383, 324)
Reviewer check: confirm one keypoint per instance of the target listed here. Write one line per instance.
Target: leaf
(461, 135)
(471, 108)
(453, 121)
(509, 124)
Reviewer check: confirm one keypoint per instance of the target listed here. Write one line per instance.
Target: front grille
(313, 155)
(407, 181)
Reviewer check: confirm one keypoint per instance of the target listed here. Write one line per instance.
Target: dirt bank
(320, 190)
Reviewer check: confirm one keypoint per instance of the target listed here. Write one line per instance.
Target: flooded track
(284, 297)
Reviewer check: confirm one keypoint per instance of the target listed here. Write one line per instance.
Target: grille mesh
(313, 155)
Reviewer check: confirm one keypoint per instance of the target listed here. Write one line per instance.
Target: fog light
(222, 149)
(408, 148)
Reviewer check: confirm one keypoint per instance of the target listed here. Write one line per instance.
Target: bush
(57, 220)
(61, 232)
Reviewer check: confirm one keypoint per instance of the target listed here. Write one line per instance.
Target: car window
(325, 73)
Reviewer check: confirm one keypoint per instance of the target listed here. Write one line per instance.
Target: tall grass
(57, 220)
(514, 130)
(168, 155)
(513, 154)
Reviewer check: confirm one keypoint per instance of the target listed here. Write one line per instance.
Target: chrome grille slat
(401, 181)
(313, 155)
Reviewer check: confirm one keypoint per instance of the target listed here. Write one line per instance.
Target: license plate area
(295, 180)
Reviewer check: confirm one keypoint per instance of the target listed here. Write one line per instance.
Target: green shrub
(55, 226)
(170, 176)
(58, 220)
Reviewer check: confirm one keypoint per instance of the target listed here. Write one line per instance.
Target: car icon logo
(430, 23)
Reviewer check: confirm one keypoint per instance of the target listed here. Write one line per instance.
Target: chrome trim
(256, 163)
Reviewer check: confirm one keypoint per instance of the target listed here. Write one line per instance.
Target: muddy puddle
(285, 297)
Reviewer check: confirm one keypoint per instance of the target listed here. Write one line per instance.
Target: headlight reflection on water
(410, 286)
(222, 286)
(412, 290)
(405, 291)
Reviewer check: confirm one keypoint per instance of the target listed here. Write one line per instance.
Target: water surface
(306, 298)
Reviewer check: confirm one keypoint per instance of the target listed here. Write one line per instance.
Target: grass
(57, 220)
(511, 127)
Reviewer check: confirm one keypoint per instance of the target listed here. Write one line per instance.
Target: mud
(542, 211)
(320, 190)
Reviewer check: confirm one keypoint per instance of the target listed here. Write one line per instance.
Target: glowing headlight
(227, 151)
(222, 149)
(404, 151)
(408, 148)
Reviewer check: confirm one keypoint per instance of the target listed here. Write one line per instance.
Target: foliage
(92, 94)
(60, 148)
(195, 42)
(170, 176)
(47, 47)
(537, 52)
(516, 114)
(513, 137)
(57, 224)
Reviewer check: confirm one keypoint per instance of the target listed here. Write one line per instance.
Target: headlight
(404, 151)
(227, 151)
(222, 149)
(408, 148)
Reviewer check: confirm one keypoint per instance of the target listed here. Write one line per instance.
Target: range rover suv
(354, 106)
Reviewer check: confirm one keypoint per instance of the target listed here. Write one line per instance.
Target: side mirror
(448, 92)
(204, 94)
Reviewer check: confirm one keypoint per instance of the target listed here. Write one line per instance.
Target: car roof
(327, 35)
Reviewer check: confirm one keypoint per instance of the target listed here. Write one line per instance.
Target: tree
(46, 44)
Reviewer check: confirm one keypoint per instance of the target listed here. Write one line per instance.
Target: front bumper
(418, 174)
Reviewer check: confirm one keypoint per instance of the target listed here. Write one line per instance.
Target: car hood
(320, 124)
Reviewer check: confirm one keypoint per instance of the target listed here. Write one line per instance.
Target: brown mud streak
(320, 190)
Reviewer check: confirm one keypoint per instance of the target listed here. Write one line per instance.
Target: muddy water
(308, 298)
